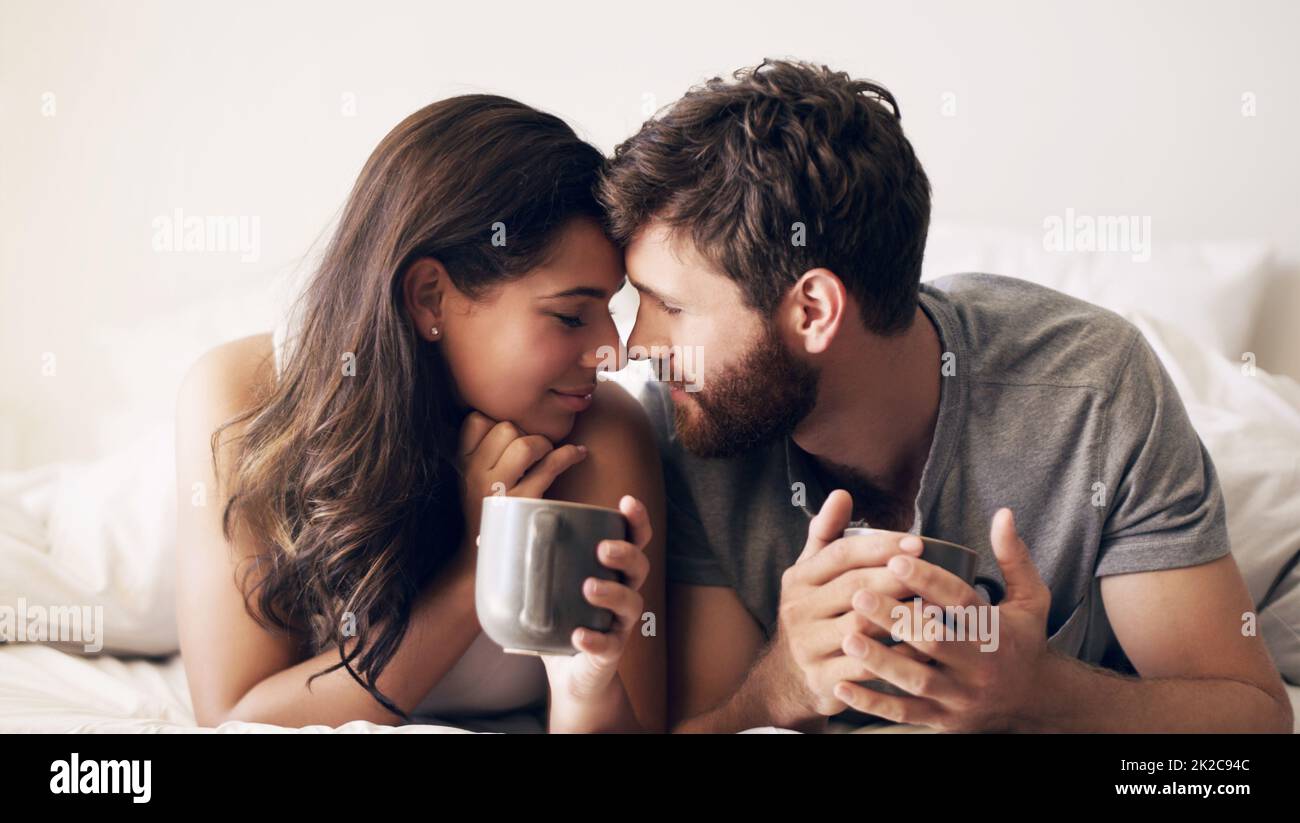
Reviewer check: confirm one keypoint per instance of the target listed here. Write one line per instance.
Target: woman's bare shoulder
(239, 368)
(613, 414)
(621, 453)
(223, 383)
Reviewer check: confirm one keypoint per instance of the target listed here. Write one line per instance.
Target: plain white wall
(113, 114)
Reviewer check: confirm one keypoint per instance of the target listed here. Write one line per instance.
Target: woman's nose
(605, 348)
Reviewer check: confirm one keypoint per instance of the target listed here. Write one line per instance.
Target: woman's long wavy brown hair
(348, 476)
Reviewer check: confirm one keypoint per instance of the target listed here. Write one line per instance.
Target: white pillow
(1250, 425)
(101, 536)
(1212, 292)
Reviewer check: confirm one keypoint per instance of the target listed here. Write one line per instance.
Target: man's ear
(818, 303)
(424, 286)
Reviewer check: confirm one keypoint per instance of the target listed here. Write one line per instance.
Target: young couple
(775, 220)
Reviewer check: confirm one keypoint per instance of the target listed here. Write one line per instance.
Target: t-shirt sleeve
(690, 557)
(1166, 508)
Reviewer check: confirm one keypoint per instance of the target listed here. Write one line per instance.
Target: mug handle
(539, 570)
(992, 588)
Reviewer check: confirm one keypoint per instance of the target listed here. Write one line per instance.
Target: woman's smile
(576, 399)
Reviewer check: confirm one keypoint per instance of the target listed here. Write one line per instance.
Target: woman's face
(528, 351)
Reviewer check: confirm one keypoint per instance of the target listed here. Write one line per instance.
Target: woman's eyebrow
(579, 291)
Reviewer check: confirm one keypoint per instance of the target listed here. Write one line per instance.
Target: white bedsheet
(43, 689)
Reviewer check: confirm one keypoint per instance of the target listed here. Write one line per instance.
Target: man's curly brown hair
(735, 164)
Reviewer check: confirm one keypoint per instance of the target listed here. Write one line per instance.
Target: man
(774, 225)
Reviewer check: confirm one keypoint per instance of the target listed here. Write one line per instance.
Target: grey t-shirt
(1056, 408)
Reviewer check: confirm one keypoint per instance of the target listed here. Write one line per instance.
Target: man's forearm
(1077, 697)
(759, 701)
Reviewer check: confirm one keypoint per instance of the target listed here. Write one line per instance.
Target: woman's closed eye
(573, 321)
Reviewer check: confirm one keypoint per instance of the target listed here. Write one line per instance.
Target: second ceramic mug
(533, 556)
(952, 557)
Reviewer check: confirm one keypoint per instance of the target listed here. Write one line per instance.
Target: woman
(447, 349)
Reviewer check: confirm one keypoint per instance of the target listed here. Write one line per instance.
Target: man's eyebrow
(580, 291)
(644, 289)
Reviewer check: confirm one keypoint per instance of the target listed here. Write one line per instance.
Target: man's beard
(760, 399)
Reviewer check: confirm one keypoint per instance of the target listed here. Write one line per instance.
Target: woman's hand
(499, 459)
(586, 693)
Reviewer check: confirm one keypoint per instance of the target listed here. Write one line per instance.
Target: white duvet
(100, 536)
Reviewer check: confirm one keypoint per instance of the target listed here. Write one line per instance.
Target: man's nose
(644, 336)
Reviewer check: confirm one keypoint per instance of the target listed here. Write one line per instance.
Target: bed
(100, 534)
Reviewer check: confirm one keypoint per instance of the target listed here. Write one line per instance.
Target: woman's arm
(624, 460)
(236, 669)
(443, 625)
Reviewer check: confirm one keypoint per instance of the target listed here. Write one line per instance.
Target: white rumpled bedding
(43, 689)
(102, 535)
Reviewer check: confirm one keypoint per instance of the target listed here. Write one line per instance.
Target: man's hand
(964, 688)
(816, 610)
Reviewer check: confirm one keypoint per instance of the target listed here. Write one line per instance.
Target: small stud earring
(434, 331)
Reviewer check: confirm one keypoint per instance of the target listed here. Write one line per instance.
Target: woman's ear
(424, 288)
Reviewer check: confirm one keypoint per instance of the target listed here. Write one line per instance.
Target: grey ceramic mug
(952, 557)
(533, 556)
